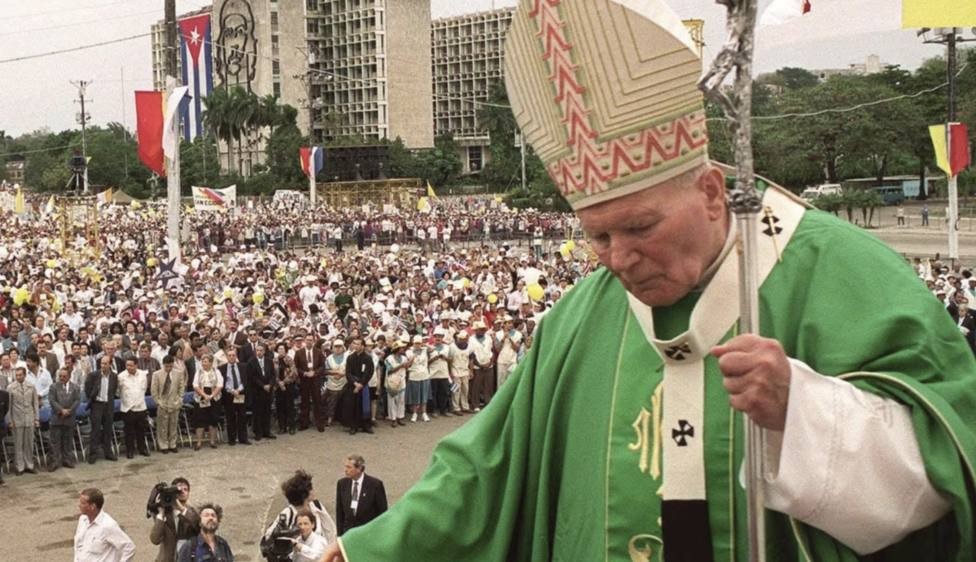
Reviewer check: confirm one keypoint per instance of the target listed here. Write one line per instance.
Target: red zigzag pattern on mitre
(592, 166)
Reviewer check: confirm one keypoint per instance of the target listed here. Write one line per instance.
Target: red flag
(149, 130)
(958, 148)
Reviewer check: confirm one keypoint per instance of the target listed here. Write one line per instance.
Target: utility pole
(171, 36)
(522, 146)
(950, 36)
(173, 237)
(82, 85)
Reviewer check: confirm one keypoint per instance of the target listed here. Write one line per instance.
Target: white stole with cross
(715, 313)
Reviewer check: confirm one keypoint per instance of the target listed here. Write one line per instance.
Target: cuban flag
(313, 159)
(197, 60)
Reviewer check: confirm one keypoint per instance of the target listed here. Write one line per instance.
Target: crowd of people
(257, 338)
(184, 532)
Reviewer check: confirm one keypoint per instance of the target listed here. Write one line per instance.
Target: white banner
(7, 201)
(209, 199)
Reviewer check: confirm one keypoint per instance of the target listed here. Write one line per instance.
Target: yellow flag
(423, 205)
(937, 13)
(938, 134)
(19, 201)
(430, 191)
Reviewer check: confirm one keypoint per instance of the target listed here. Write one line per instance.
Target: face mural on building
(237, 45)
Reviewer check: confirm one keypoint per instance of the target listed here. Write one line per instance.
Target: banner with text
(209, 199)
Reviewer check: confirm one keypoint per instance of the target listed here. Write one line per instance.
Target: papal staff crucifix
(746, 204)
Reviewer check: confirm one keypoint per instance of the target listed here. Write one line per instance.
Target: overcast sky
(38, 93)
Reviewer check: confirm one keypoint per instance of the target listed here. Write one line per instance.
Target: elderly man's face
(660, 241)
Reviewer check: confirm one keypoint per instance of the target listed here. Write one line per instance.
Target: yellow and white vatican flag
(19, 206)
(938, 13)
(104, 197)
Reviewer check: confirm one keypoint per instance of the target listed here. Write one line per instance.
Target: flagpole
(952, 217)
(311, 177)
(746, 204)
(173, 186)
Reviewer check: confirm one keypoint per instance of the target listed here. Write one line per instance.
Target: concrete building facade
(371, 71)
(358, 68)
(468, 54)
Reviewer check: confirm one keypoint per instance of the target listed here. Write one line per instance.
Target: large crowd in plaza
(283, 319)
(277, 306)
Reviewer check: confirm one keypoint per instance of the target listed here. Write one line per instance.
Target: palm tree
(216, 118)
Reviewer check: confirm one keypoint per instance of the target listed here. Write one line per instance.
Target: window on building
(474, 158)
(276, 88)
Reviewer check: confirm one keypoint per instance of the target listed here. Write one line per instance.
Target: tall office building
(468, 55)
(371, 70)
(359, 68)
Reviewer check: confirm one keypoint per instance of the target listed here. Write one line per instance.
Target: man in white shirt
(508, 342)
(98, 537)
(39, 377)
(132, 392)
(483, 366)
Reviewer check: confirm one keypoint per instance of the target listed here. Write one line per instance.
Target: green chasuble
(566, 462)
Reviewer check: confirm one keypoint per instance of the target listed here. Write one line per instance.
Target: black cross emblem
(678, 352)
(684, 430)
(772, 224)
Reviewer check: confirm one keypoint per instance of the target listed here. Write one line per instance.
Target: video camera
(278, 546)
(162, 495)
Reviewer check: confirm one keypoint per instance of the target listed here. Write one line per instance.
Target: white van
(811, 193)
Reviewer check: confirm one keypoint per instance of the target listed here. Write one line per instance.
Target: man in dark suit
(4, 407)
(101, 387)
(359, 369)
(235, 398)
(261, 375)
(48, 359)
(236, 338)
(246, 350)
(192, 364)
(64, 397)
(360, 498)
(309, 362)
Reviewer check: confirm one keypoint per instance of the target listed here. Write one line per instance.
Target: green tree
(797, 78)
(283, 150)
(440, 165)
(199, 163)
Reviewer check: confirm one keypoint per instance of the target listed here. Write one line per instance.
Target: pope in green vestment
(625, 406)
(561, 465)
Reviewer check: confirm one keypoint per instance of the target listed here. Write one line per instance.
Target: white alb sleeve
(848, 463)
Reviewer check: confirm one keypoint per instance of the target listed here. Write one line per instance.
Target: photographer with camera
(175, 521)
(278, 541)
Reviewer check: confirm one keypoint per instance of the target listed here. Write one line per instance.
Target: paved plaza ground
(38, 513)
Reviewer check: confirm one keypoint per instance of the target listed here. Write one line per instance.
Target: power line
(36, 151)
(74, 49)
(77, 23)
(66, 10)
(849, 109)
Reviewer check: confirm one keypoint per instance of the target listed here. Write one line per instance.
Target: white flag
(171, 128)
(776, 12)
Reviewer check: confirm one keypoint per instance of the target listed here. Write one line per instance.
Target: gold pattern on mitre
(606, 93)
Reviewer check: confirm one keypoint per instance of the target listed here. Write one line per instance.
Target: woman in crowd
(207, 384)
